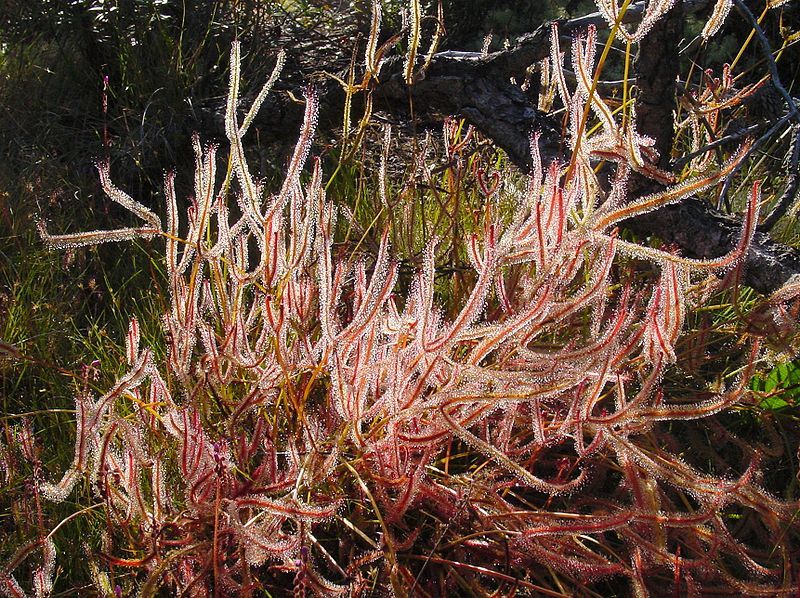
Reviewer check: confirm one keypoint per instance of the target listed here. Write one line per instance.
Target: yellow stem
(748, 40)
(592, 91)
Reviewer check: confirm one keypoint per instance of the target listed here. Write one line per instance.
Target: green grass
(61, 317)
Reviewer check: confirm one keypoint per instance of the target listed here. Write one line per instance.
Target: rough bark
(464, 86)
(702, 232)
(478, 88)
(656, 68)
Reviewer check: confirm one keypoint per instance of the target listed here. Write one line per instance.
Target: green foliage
(781, 387)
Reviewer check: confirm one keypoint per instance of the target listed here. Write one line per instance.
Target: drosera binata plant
(313, 427)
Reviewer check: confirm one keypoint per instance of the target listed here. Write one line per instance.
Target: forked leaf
(670, 195)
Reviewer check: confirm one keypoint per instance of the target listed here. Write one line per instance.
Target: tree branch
(477, 87)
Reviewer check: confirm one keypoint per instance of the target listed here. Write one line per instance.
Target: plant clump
(317, 425)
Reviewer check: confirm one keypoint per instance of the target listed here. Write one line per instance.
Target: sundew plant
(320, 428)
